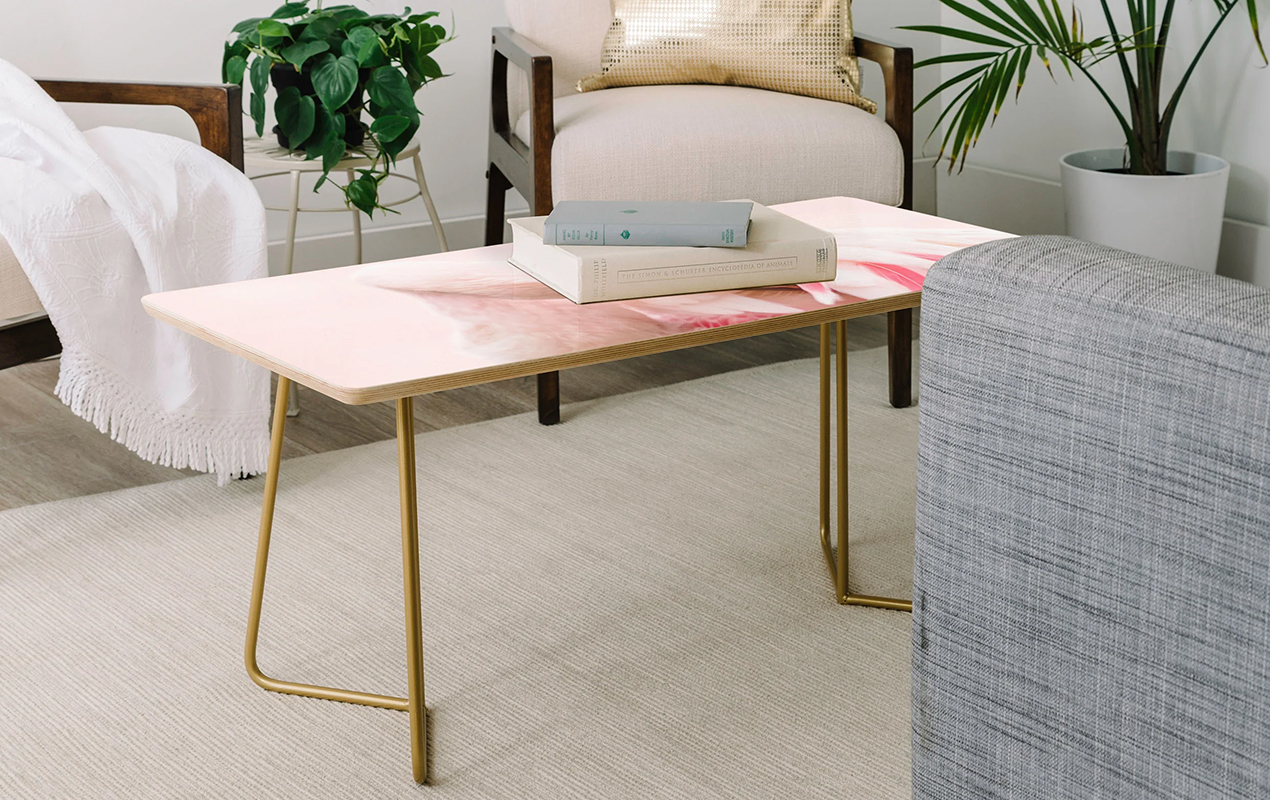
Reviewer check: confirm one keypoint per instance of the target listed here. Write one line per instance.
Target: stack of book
(593, 251)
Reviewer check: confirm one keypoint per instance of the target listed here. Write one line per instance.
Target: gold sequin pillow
(793, 46)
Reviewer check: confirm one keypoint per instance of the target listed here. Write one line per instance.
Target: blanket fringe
(227, 447)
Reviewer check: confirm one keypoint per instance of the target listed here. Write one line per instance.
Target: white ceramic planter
(1175, 218)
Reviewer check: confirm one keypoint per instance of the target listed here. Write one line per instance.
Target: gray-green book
(648, 224)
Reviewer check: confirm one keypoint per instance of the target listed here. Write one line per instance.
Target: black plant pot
(282, 76)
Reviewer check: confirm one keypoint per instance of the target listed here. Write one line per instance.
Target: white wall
(181, 41)
(1010, 180)
(879, 19)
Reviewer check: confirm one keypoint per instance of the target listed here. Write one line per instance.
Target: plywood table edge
(519, 369)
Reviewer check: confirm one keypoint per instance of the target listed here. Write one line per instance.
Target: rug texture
(632, 604)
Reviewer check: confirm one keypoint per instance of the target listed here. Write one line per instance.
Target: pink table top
(374, 332)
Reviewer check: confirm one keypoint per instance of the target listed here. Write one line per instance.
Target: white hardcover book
(780, 250)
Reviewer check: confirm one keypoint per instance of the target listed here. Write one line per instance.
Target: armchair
(1092, 573)
(729, 141)
(25, 333)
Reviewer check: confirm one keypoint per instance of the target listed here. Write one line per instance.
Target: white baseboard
(1000, 200)
(323, 251)
(1025, 205)
(1245, 252)
(992, 198)
(379, 244)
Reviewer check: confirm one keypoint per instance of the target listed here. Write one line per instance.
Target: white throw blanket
(97, 220)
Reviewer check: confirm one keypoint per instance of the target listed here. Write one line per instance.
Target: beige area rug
(629, 605)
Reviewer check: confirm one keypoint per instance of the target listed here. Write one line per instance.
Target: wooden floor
(47, 453)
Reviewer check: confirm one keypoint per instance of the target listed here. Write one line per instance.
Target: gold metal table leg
(410, 581)
(414, 702)
(838, 558)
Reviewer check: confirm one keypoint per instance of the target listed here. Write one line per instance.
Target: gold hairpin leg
(838, 558)
(410, 581)
(414, 702)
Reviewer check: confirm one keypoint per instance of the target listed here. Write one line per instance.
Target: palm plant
(1016, 33)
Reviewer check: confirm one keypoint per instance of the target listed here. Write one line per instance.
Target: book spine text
(645, 235)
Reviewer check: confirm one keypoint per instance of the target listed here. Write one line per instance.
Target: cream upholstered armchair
(682, 142)
(26, 334)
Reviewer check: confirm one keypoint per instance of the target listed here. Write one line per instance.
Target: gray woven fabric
(1092, 576)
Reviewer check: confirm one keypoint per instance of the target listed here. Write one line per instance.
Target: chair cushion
(17, 298)
(701, 142)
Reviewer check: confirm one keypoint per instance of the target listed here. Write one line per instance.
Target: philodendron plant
(1012, 34)
(329, 66)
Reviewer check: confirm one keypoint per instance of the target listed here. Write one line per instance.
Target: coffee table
(393, 330)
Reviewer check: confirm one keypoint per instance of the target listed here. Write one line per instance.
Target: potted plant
(1142, 197)
(330, 68)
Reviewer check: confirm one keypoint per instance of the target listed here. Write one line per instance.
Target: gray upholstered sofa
(1092, 587)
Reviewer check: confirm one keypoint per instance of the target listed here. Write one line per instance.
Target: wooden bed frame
(526, 167)
(217, 113)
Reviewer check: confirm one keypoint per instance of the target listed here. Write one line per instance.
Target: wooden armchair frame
(217, 113)
(526, 167)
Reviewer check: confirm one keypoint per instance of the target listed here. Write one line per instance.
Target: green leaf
(316, 144)
(347, 14)
(295, 113)
(271, 27)
(983, 103)
(318, 29)
(1256, 28)
(334, 80)
(1023, 62)
(302, 51)
(984, 20)
(365, 42)
(389, 88)
(234, 69)
(375, 55)
(363, 194)
(1028, 17)
(431, 69)
(260, 75)
(332, 151)
(1007, 81)
(953, 58)
(951, 82)
(427, 37)
(291, 10)
(246, 26)
(390, 127)
(949, 107)
(955, 33)
(258, 112)
(395, 145)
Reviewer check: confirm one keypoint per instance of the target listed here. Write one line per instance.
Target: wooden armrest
(528, 168)
(518, 50)
(875, 49)
(216, 109)
(897, 74)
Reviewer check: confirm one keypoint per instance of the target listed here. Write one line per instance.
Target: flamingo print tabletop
(376, 332)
